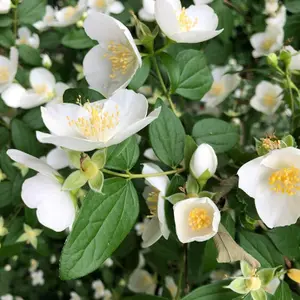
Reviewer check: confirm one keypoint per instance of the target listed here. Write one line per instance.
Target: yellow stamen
(269, 100)
(98, 124)
(152, 201)
(4, 74)
(267, 44)
(270, 144)
(186, 23)
(70, 12)
(100, 3)
(121, 58)
(199, 219)
(217, 89)
(285, 181)
(43, 90)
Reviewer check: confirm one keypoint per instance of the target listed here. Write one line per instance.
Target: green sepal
(206, 194)
(259, 295)
(74, 157)
(192, 186)
(96, 183)
(176, 198)
(247, 269)
(288, 141)
(267, 275)
(74, 181)
(239, 285)
(99, 158)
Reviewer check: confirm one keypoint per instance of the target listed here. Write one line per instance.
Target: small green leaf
(283, 292)
(5, 21)
(246, 268)
(6, 193)
(30, 56)
(221, 135)
(176, 183)
(176, 198)
(96, 183)
(50, 40)
(167, 137)
(102, 224)
(99, 158)
(31, 11)
(141, 74)
(77, 39)
(195, 77)
(34, 119)
(192, 186)
(81, 94)
(6, 38)
(189, 149)
(74, 181)
(4, 136)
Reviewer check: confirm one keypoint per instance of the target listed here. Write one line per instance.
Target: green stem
(15, 20)
(292, 99)
(161, 80)
(181, 275)
(135, 176)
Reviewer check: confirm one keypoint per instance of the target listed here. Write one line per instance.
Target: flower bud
(286, 57)
(272, 60)
(203, 163)
(46, 61)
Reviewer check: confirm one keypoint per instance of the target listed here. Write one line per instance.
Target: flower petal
(40, 76)
(160, 182)
(151, 233)
(162, 216)
(13, 94)
(57, 159)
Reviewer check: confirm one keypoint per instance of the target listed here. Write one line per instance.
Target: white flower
(107, 295)
(295, 59)
(33, 265)
(74, 296)
(46, 61)
(154, 194)
(5, 6)
(55, 208)
(110, 65)
(108, 262)
(44, 89)
(96, 125)
(57, 159)
(8, 69)
(3, 229)
(196, 219)
(271, 6)
(171, 286)
(53, 259)
(147, 12)
(269, 41)
(149, 154)
(47, 20)
(98, 288)
(204, 160)
(267, 97)
(7, 268)
(223, 85)
(106, 6)
(273, 181)
(141, 281)
(199, 2)
(7, 297)
(198, 23)
(26, 38)
(69, 15)
(279, 19)
(140, 227)
(37, 278)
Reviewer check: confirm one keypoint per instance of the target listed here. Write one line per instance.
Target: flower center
(23, 41)
(43, 90)
(186, 23)
(269, 100)
(199, 219)
(285, 181)
(98, 123)
(270, 144)
(267, 44)
(4, 74)
(217, 89)
(121, 58)
(152, 201)
(70, 12)
(253, 284)
(100, 3)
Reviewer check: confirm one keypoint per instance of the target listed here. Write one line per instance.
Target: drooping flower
(171, 286)
(96, 125)
(44, 89)
(141, 281)
(98, 288)
(8, 69)
(37, 278)
(55, 208)
(74, 296)
(57, 158)
(267, 97)
(30, 235)
(196, 219)
(273, 181)
(106, 6)
(279, 19)
(295, 58)
(47, 20)
(223, 85)
(269, 41)
(147, 12)
(26, 38)
(271, 6)
(34, 264)
(5, 6)
(154, 194)
(196, 24)
(110, 65)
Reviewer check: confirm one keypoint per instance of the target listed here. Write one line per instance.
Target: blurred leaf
(30, 56)
(5, 21)
(77, 39)
(50, 40)
(4, 136)
(29, 12)
(141, 75)
(33, 118)
(83, 95)
(6, 38)
(292, 6)
(283, 292)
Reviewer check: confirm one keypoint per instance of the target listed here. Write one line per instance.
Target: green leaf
(6, 165)
(33, 118)
(283, 292)
(173, 70)
(167, 137)
(81, 94)
(292, 6)
(24, 138)
(29, 55)
(288, 246)
(141, 74)
(222, 136)
(5, 21)
(123, 156)
(50, 40)
(261, 248)
(74, 181)
(259, 295)
(176, 182)
(7, 39)
(102, 224)
(144, 297)
(77, 39)
(215, 291)
(195, 77)
(189, 149)
(4, 136)
(5, 192)
(31, 11)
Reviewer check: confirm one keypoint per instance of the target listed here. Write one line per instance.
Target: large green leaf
(5, 21)
(144, 297)
(4, 136)
(293, 6)
(195, 77)
(31, 11)
(33, 118)
(30, 56)
(6, 165)
(141, 74)
(283, 292)
(5, 192)
(261, 248)
(77, 39)
(167, 137)
(222, 136)
(124, 159)
(214, 291)
(101, 225)
(82, 95)
(6, 37)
